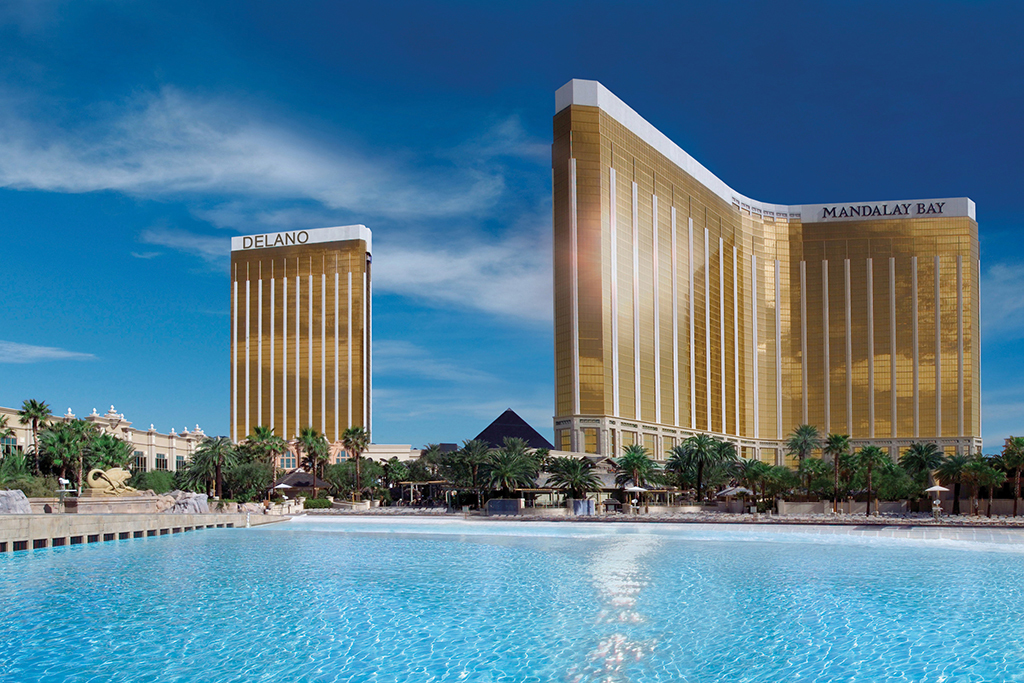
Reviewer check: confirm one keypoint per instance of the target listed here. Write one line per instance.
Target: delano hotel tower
(300, 331)
(682, 306)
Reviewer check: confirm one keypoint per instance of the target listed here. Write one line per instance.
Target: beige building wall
(300, 331)
(683, 307)
(153, 450)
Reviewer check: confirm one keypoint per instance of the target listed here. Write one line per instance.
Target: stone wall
(37, 531)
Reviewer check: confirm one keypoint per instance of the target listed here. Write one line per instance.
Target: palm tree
(312, 445)
(355, 440)
(993, 479)
(57, 444)
(836, 446)
(221, 453)
(474, 452)
(635, 464)
(870, 457)
(265, 445)
(575, 476)
(921, 459)
(812, 468)
(951, 471)
(106, 450)
(506, 470)
(36, 413)
(1013, 459)
(753, 473)
(697, 452)
(975, 474)
(803, 440)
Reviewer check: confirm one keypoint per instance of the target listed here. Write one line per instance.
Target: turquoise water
(403, 600)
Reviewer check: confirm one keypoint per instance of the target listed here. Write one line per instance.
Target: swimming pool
(411, 600)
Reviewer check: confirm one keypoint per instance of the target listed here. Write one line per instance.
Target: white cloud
(146, 254)
(172, 143)
(1002, 306)
(213, 250)
(392, 357)
(506, 277)
(13, 352)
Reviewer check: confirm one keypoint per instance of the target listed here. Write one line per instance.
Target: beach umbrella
(637, 489)
(935, 489)
(282, 486)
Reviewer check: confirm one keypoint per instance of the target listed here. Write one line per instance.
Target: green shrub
(316, 503)
(157, 481)
(35, 487)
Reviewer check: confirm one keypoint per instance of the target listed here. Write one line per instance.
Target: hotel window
(8, 445)
(161, 462)
(139, 462)
(179, 463)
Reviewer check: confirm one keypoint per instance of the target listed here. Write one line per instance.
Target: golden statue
(113, 482)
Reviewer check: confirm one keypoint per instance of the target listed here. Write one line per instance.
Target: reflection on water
(619, 574)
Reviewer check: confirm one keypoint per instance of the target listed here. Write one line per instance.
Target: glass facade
(683, 307)
(301, 332)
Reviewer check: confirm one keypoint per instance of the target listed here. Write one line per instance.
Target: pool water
(420, 601)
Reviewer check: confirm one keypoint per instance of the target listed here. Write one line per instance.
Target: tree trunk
(1016, 489)
(868, 513)
(835, 490)
(359, 493)
(956, 498)
(35, 446)
(219, 483)
(700, 479)
(991, 494)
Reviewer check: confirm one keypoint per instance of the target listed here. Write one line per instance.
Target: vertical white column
(337, 409)
(259, 347)
(721, 326)
(754, 350)
(959, 346)
(828, 373)
(778, 351)
(871, 347)
(323, 353)
(675, 322)
(273, 344)
(613, 229)
(637, 413)
(309, 344)
(707, 326)
(248, 363)
(849, 347)
(913, 324)
(298, 345)
(574, 291)
(938, 354)
(657, 315)
(693, 351)
(803, 341)
(350, 314)
(284, 353)
(735, 343)
(235, 355)
(892, 344)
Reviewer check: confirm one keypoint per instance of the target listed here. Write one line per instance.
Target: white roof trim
(272, 240)
(593, 94)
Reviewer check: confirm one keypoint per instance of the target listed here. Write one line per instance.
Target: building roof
(509, 424)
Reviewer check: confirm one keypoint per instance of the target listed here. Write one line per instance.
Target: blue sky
(137, 137)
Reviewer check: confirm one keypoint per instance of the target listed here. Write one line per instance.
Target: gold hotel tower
(684, 307)
(300, 331)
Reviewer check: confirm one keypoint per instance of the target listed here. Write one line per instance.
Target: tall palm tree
(314, 449)
(975, 474)
(993, 479)
(506, 470)
(811, 469)
(106, 450)
(753, 473)
(474, 452)
(635, 464)
(836, 446)
(803, 440)
(921, 459)
(57, 445)
(951, 471)
(355, 440)
(574, 476)
(36, 413)
(1013, 459)
(870, 457)
(266, 445)
(215, 453)
(697, 452)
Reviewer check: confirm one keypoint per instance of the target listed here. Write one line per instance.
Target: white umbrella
(736, 491)
(282, 486)
(637, 489)
(935, 489)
